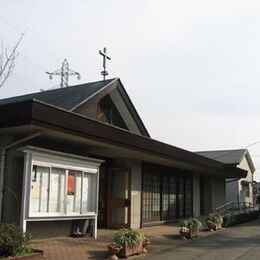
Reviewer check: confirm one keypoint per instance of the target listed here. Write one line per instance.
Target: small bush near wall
(13, 241)
(240, 218)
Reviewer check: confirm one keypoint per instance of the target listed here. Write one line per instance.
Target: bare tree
(7, 61)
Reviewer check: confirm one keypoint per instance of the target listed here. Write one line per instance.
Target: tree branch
(7, 61)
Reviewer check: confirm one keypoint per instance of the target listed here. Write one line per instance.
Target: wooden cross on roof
(103, 53)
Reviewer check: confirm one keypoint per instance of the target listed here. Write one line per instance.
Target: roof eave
(39, 113)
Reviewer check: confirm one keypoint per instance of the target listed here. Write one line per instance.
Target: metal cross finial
(103, 53)
(64, 73)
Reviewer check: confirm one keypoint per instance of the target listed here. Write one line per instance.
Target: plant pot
(218, 226)
(128, 250)
(113, 250)
(213, 226)
(184, 234)
(194, 232)
(145, 245)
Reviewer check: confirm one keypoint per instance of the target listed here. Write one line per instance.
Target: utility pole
(103, 53)
(64, 72)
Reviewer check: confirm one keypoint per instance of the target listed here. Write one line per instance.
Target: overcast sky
(190, 67)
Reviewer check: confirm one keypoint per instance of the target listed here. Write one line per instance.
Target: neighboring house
(82, 152)
(256, 192)
(236, 189)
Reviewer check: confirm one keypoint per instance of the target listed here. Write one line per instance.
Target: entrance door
(119, 195)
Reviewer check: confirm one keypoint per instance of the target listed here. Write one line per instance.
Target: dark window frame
(167, 173)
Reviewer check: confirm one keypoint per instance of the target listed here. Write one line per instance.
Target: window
(108, 113)
(166, 196)
(181, 198)
(169, 197)
(188, 197)
(62, 187)
(151, 197)
(245, 187)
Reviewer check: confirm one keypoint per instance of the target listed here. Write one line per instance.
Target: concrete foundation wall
(196, 195)
(47, 229)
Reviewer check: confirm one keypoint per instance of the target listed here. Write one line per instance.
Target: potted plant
(189, 228)
(113, 249)
(214, 221)
(131, 242)
(145, 242)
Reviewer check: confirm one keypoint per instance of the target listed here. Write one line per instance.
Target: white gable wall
(235, 191)
(124, 112)
(249, 178)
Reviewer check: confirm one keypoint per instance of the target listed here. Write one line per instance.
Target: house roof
(38, 115)
(70, 98)
(66, 98)
(234, 156)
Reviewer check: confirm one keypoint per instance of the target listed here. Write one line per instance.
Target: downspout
(2, 165)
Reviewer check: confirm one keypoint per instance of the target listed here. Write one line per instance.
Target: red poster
(71, 183)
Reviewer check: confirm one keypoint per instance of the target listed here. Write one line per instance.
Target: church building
(82, 154)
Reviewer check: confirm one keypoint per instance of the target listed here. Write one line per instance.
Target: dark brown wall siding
(13, 187)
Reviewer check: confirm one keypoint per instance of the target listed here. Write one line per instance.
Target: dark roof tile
(65, 98)
(225, 156)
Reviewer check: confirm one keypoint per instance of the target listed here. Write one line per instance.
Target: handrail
(234, 205)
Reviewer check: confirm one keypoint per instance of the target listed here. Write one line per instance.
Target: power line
(41, 46)
(26, 80)
(31, 62)
(24, 57)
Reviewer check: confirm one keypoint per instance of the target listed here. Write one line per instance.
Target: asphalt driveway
(241, 242)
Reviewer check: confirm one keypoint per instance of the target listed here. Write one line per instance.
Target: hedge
(240, 218)
(12, 240)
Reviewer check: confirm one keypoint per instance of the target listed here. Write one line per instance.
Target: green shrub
(127, 236)
(215, 218)
(24, 251)
(12, 239)
(190, 223)
(240, 218)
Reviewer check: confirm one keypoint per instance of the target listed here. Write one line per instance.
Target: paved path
(240, 242)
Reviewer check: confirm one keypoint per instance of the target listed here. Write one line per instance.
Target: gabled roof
(70, 98)
(66, 98)
(229, 156)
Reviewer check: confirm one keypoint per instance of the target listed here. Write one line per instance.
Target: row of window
(166, 197)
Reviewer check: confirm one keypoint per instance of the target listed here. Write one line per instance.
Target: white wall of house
(236, 191)
(196, 195)
(243, 197)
